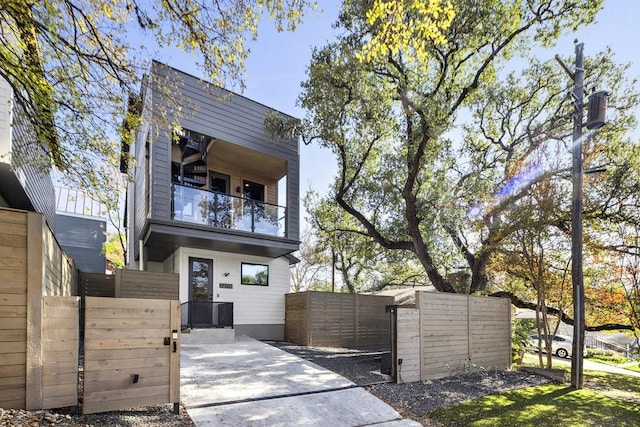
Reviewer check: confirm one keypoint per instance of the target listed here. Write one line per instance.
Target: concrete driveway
(250, 383)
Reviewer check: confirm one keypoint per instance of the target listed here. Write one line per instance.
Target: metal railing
(207, 314)
(595, 342)
(226, 211)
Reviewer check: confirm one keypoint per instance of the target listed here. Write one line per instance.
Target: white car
(561, 345)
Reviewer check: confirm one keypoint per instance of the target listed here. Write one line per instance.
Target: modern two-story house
(214, 199)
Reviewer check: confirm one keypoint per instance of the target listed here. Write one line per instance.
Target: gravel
(157, 416)
(412, 400)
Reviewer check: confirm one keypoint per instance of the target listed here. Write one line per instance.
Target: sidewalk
(252, 383)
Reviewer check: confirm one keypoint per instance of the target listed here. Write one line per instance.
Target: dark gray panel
(82, 239)
(228, 116)
(161, 177)
(293, 199)
(162, 238)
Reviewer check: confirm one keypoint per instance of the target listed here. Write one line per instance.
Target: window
(253, 191)
(220, 182)
(254, 274)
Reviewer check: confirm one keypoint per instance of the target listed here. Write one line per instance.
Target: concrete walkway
(250, 383)
(596, 366)
(589, 365)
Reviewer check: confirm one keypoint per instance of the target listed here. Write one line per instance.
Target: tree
(362, 264)
(536, 262)
(386, 120)
(407, 26)
(72, 67)
(306, 273)
(113, 250)
(438, 158)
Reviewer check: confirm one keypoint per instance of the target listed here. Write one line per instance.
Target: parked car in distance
(561, 345)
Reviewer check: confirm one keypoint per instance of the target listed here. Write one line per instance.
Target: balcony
(221, 210)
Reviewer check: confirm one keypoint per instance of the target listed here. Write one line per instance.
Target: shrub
(608, 356)
(520, 337)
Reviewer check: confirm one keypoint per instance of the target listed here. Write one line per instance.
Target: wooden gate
(131, 353)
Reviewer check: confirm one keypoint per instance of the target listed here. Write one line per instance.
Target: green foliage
(72, 67)
(546, 405)
(113, 249)
(520, 331)
(401, 176)
(462, 165)
(362, 265)
(609, 357)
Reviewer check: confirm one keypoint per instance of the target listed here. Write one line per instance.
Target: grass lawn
(550, 405)
(606, 400)
(635, 367)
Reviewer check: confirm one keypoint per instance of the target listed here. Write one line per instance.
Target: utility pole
(596, 118)
(577, 354)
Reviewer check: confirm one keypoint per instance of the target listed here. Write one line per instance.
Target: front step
(209, 336)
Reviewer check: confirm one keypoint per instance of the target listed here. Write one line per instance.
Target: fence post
(355, 320)
(35, 276)
(118, 284)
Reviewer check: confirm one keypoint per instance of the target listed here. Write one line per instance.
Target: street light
(595, 119)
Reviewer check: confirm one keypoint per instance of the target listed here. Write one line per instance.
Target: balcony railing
(227, 211)
(207, 314)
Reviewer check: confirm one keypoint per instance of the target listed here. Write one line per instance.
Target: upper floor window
(220, 182)
(253, 190)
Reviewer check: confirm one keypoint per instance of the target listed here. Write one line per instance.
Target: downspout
(141, 255)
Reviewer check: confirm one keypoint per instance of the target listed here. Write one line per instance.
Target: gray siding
(293, 199)
(29, 163)
(139, 172)
(226, 116)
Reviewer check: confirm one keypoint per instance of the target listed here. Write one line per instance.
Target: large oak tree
(439, 150)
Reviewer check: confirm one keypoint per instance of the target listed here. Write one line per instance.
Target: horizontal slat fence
(97, 285)
(13, 308)
(32, 266)
(39, 327)
(326, 319)
(60, 343)
(296, 322)
(450, 334)
(130, 284)
(146, 284)
(124, 338)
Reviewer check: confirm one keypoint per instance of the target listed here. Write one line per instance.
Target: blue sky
(278, 62)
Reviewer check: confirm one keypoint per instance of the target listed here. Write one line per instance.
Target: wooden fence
(447, 334)
(32, 267)
(132, 353)
(60, 344)
(324, 319)
(39, 328)
(130, 284)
